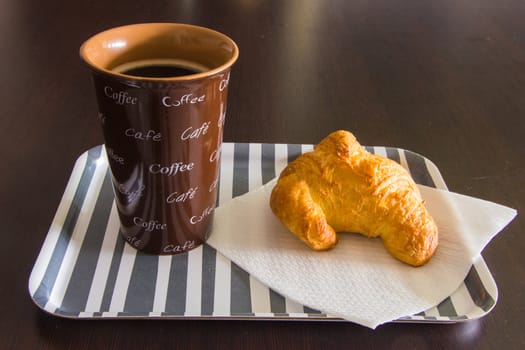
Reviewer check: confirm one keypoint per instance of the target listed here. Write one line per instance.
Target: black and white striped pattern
(85, 270)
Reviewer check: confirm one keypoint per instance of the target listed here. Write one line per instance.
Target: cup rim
(190, 77)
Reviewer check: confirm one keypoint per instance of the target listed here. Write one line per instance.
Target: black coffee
(159, 71)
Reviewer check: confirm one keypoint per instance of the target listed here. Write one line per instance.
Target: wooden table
(445, 79)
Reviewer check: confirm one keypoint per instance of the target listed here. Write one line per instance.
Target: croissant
(340, 187)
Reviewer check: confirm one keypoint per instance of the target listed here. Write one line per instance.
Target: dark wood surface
(442, 78)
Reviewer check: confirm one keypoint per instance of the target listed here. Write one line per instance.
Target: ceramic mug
(161, 90)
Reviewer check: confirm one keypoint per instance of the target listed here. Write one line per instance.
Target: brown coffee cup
(161, 91)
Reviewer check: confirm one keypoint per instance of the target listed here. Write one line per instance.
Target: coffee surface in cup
(160, 68)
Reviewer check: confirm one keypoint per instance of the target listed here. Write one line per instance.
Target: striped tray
(85, 270)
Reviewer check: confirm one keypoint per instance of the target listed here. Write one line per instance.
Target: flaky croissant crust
(340, 187)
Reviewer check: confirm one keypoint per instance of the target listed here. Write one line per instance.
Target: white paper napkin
(358, 280)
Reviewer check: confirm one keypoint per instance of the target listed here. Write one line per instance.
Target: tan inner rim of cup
(194, 47)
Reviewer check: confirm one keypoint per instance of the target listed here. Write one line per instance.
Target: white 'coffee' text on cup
(167, 101)
(172, 169)
(149, 225)
(120, 97)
